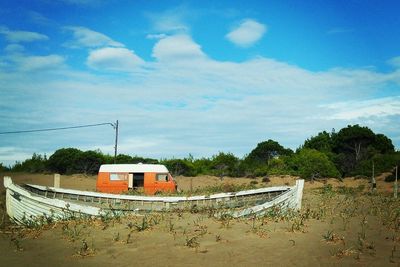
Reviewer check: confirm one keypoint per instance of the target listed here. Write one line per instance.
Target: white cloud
(350, 110)
(134, 144)
(34, 63)
(199, 107)
(38, 18)
(22, 36)
(156, 36)
(177, 47)
(17, 155)
(84, 37)
(14, 48)
(171, 20)
(114, 58)
(247, 33)
(395, 62)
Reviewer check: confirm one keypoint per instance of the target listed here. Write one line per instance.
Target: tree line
(350, 152)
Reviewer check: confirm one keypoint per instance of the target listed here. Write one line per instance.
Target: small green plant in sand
(297, 222)
(169, 224)
(363, 245)
(192, 241)
(346, 215)
(198, 220)
(258, 226)
(218, 238)
(155, 219)
(85, 250)
(363, 225)
(362, 242)
(345, 190)
(144, 224)
(342, 252)
(16, 241)
(110, 216)
(275, 213)
(116, 237)
(225, 220)
(72, 233)
(327, 191)
(332, 237)
(129, 238)
(32, 223)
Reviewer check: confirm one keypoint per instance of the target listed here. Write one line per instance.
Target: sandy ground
(343, 226)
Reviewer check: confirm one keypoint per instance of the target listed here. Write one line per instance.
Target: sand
(360, 229)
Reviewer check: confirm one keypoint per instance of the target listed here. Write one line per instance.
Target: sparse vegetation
(352, 224)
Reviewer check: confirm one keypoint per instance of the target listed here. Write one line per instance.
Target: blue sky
(194, 77)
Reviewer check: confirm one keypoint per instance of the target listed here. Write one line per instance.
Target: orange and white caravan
(118, 178)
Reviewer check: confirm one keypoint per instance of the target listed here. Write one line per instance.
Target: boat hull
(31, 203)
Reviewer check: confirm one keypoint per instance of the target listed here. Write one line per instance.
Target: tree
(37, 163)
(3, 168)
(122, 159)
(225, 164)
(311, 163)
(322, 142)
(383, 144)
(178, 167)
(88, 162)
(354, 140)
(265, 151)
(202, 166)
(126, 159)
(64, 160)
(137, 159)
(356, 146)
(279, 166)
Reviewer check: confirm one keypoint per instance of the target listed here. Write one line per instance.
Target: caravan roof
(134, 168)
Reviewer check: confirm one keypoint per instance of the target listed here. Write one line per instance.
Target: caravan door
(130, 181)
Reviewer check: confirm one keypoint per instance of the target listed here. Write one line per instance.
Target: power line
(114, 125)
(60, 128)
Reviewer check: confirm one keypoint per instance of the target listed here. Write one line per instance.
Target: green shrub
(179, 167)
(37, 163)
(225, 164)
(382, 163)
(3, 168)
(310, 163)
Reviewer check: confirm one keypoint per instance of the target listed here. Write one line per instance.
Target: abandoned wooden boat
(26, 203)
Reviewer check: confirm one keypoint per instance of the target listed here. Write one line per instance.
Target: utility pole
(395, 185)
(373, 177)
(115, 125)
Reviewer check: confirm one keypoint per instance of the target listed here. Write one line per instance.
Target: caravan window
(119, 176)
(162, 177)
